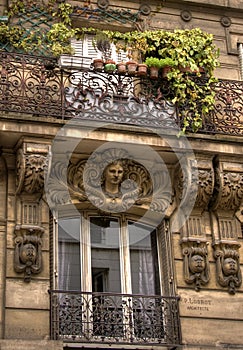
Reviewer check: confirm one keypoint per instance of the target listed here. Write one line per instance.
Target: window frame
(124, 250)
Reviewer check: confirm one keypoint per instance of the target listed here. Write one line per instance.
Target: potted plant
(110, 65)
(154, 65)
(190, 49)
(166, 64)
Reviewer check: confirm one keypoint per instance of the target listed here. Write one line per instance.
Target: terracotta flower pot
(165, 71)
(154, 72)
(142, 69)
(121, 67)
(98, 64)
(132, 67)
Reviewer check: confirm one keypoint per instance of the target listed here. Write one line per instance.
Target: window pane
(69, 271)
(144, 259)
(105, 259)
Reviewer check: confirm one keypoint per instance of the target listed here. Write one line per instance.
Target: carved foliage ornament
(196, 264)
(111, 181)
(195, 184)
(228, 266)
(28, 255)
(30, 172)
(228, 190)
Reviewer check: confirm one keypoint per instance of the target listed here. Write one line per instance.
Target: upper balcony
(38, 86)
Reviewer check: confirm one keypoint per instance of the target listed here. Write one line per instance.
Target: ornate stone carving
(228, 190)
(111, 181)
(30, 171)
(228, 265)
(195, 181)
(196, 264)
(28, 254)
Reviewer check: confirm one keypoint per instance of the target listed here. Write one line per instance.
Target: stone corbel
(195, 263)
(28, 254)
(227, 200)
(228, 265)
(194, 189)
(31, 166)
(228, 194)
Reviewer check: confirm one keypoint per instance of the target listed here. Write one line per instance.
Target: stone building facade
(114, 232)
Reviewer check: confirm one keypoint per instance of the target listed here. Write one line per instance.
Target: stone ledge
(19, 344)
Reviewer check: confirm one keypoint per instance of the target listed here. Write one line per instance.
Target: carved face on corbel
(197, 263)
(28, 255)
(228, 266)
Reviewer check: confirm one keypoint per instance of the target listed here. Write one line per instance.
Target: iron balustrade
(114, 318)
(38, 86)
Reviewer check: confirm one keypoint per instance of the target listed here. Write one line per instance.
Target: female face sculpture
(113, 175)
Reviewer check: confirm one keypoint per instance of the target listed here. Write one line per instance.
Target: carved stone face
(28, 253)
(113, 174)
(197, 263)
(230, 266)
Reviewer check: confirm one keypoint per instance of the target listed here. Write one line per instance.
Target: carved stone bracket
(194, 187)
(196, 264)
(228, 265)
(31, 164)
(228, 193)
(28, 254)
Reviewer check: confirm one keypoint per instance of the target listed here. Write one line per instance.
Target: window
(111, 270)
(85, 52)
(107, 254)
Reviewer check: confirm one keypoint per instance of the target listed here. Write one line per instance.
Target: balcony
(39, 87)
(110, 318)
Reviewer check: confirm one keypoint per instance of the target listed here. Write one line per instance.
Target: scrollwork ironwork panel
(38, 86)
(113, 318)
(227, 116)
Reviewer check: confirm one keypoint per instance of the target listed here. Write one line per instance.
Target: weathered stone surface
(27, 324)
(27, 295)
(24, 344)
(208, 304)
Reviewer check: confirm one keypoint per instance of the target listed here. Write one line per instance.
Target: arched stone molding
(31, 165)
(226, 202)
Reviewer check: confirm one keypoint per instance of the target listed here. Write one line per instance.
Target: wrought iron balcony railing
(114, 318)
(38, 86)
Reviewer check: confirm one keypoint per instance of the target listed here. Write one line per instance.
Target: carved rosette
(195, 263)
(83, 181)
(30, 172)
(228, 265)
(28, 254)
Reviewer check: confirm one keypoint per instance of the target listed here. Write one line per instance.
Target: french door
(115, 260)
